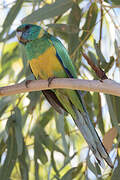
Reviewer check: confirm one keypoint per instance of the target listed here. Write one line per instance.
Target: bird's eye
(27, 27)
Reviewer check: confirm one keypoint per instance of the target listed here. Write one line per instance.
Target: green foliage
(35, 141)
(54, 9)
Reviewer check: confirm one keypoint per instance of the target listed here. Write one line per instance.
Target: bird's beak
(19, 35)
(20, 38)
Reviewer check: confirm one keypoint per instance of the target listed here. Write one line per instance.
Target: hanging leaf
(34, 99)
(108, 138)
(91, 166)
(18, 133)
(113, 110)
(116, 2)
(49, 11)
(7, 167)
(5, 103)
(39, 151)
(96, 98)
(45, 139)
(46, 117)
(93, 57)
(64, 30)
(89, 23)
(11, 16)
(74, 19)
(72, 173)
(60, 129)
(54, 164)
(100, 55)
(110, 64)
(23, 163)
(116, 172)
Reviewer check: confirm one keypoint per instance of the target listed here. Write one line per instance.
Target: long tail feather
(89, 133)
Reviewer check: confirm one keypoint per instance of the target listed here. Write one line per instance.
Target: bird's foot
(27, 82)
(101, 80)
(50, 80)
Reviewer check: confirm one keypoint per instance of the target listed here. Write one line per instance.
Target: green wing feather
(64, 57)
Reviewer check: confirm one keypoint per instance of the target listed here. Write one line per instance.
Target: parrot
(48, 59)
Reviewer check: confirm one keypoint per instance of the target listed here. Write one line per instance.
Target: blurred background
(35, 141)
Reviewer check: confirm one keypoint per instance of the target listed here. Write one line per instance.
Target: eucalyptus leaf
(116, 173)
(100, 55)
(113, 107)
(49, 11)
(40, 151)
(68, 175)
(91, 166)
(93, 57)
(46, 117)
(60, 128)
(7, 167)
(74, 19)
(23, 163)
(90, 23)
(18, 133)
(45, 139)
(11, 16)
(54, 164)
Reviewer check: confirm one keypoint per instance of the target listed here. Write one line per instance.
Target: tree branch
(99, 72)
(106, 86)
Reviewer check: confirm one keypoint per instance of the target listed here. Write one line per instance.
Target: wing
(53, 100)
(64, 57)
(66, 62)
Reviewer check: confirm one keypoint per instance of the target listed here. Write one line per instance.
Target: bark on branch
(106, 86)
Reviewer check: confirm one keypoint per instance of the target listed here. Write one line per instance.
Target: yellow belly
(46, 65)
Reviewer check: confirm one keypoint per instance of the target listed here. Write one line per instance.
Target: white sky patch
(26, 101)
(45, 106)
(31, 153)
(83, 154)
(105, 112)
(111, 37)
(74, 162)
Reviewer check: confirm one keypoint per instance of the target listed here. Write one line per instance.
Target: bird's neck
(36, 47)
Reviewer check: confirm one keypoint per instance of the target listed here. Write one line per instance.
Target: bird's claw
(50, 80)
(27, 82)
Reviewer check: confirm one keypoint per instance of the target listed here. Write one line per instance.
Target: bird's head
(28, 32)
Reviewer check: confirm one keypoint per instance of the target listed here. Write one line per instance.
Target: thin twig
(99, 72)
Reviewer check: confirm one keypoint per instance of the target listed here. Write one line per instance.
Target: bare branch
(106, 86)
(99, 72)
